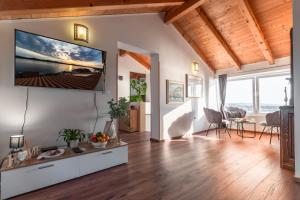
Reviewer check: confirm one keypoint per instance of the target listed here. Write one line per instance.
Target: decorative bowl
(99, 144)
(51, 154)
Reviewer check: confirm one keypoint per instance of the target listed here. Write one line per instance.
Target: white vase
(113, 130)
(74, 144)
(22, 155)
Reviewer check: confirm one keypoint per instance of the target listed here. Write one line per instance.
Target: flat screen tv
(45, 62)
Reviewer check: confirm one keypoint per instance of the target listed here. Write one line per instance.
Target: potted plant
(99, 140)
(118, 110)
(71, 136)
(140, 88)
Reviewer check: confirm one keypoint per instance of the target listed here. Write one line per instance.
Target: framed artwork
(194, 86)
(175, 92)
(107, 127)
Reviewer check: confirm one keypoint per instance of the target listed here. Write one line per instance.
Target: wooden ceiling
(32, 9)
(237, 32)
(225, 33)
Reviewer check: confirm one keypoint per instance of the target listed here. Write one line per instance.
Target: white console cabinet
(36, 174)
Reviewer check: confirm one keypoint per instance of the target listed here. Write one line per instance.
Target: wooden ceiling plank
(140, 60)
(234, 59)
(20, 9)
(145, 61)
(179, 11)
(122, 52)
(50, 4)
(256, 30)
(194, 45)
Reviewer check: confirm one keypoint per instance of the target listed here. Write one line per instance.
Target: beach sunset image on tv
(46, 62)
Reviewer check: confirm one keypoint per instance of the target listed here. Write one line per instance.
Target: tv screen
(45, 62)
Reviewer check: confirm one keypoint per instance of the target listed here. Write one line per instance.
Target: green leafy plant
(118, 109)
(71, 135)
(140, 89)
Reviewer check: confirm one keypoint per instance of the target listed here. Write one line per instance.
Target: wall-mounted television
(46, 62)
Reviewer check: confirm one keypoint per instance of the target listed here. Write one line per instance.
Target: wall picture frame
(194, 86)
(107, 127)
(175, 92)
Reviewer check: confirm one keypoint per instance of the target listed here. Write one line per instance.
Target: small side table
(240, 127)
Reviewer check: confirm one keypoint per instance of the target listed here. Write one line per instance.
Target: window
(271, 92)
(239, 93)
(258, 94)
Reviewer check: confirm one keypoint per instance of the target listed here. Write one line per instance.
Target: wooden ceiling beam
(234, 59)
(122, 52)
(257, 32)
(143, 60)
(20, 9)
(194, 45)
(140, 59)
(178, 12)
(6, 5)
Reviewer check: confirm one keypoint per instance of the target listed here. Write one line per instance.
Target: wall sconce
(195, 67)
(81, 33)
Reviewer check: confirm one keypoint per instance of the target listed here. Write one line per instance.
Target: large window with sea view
(240, 94)
(259, 93)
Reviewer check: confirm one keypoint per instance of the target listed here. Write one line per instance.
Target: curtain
(222, 90)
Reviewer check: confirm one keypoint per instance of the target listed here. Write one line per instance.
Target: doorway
(134, 83)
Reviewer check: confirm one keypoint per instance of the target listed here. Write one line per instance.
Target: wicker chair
(272, 121)
(214, 118)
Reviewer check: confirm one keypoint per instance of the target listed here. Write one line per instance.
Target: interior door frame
(155, 87)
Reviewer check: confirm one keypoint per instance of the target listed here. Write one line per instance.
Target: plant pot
(74, 144)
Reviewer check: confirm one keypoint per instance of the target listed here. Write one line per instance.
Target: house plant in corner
(118, 110)
(71, 136)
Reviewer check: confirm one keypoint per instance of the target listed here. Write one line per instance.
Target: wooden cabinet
(131, 123)
(35, 174)
(97, 161)
(287, 152)
(22, 180)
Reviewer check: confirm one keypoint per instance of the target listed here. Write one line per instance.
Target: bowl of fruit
(99, 140)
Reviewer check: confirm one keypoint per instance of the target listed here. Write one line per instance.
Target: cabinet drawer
(19, 181)
(102, 160)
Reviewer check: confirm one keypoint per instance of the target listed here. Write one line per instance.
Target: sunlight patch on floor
(208, 138)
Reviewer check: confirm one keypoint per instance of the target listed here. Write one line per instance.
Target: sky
(42, 48)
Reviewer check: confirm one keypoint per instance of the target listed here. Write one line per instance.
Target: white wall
(127, 64)
(187, 118)
(53, 109)
(296, 57)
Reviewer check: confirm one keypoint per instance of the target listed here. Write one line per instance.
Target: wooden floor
(199, 167)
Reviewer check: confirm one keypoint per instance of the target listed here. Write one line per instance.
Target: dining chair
(272, 121)
(215, 119)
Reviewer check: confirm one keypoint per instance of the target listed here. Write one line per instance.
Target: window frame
(258, 92)
(255, 88)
